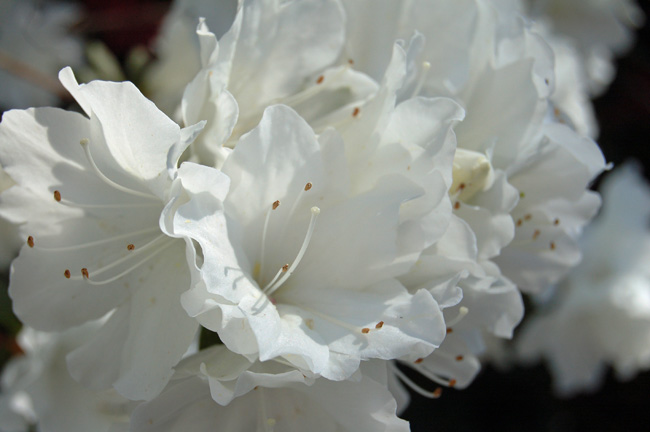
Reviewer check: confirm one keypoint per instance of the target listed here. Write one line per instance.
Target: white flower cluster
(338, 194)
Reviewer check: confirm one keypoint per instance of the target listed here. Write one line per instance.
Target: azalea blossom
(89, 195)
(284, 277)
(217, 387)
(502, 148)
(600, 315)
(260, 62)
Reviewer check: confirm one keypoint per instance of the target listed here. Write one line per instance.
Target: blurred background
(519, 399)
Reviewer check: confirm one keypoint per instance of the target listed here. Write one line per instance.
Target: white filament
(270, 289)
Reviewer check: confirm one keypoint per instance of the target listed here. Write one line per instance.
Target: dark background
(520, 400)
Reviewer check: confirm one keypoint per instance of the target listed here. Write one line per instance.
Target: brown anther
(437, 392)
(66, 273)
(418, 361)
(546, 81)
(320, 79)
(459, 358)
(379, 325)
(57, 195)
(355, 112)
(457, 205)
(351, 62)
(130, 247)
(30, 241)
(308, 186)
(519, 222)
(256, 387)
(84, 273)
(365, 330)
(556, 222)
(461, 186)
(536, 234)
(285, 268)
(276, 204)
(556, 112)
(449, 330)
(552, 245)
(452, 382)
(528, 217)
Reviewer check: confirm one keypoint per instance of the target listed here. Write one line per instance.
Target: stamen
(430, 375)
(320, 79)
(356, 111)
(308, 186)
(418, 361)
(84, 144)
(315, 211)
(552, 245)
(335, 321)
(459, 358)
(130, 247)
(30, 241)
(461, 314)
(130, 269)
(536, 234)
(57, 195)
(426, 66)
(274, 206)
(124, 258)
(99, 242)
(103, 206)
(84, 273)
(457, 205)
(66, 273)
(365, 330)
(283, 269)
(413, 386)
(556, 222)
(379, 325)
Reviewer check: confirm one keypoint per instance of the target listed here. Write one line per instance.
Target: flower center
(472, 173)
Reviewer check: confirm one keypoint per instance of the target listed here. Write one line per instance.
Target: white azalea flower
(268, 396)
(601, 314)
(89, 192)
(502, 75)
(504, 80)
(35, 42)
(260, 62)
(40, 383)
(294, 265)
